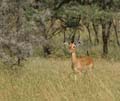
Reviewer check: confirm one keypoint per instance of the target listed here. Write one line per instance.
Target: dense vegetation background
(44, 27)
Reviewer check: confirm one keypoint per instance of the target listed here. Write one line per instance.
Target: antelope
(79, 63)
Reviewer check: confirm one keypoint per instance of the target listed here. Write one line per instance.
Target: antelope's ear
(72, 41)
(79, 43)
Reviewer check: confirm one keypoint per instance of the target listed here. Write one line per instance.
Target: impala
(80, 63)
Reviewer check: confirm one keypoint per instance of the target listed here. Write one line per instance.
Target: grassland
(48, 80)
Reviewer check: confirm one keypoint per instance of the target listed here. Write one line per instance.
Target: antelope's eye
(73, 46)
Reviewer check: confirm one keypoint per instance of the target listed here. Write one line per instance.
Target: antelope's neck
(74, 57)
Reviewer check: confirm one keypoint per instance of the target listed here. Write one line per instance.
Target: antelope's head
(72, 47)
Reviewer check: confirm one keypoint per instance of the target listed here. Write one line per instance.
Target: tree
(14, 42)
(97, 12)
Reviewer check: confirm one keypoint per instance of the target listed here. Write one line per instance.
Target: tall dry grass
(48, 80)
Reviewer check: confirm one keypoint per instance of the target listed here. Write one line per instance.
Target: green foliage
(36, 21)
(88, 13)
(29, 13)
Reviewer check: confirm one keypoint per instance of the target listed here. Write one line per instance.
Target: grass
(48, 80)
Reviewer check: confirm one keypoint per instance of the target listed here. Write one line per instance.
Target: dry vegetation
(48, 80)
(33, 29)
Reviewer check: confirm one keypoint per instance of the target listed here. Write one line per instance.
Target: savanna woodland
(35, 61)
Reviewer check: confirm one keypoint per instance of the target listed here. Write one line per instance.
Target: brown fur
(83, 62)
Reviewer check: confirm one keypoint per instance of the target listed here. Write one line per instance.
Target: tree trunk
(105, 43)
(88, 29)
(105, 36)
(116, 33)
(96, 33)
(64, 40)
(78, 37)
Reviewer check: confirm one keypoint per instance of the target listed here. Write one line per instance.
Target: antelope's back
(86, 60)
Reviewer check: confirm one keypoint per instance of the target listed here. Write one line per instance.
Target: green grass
(48, 80)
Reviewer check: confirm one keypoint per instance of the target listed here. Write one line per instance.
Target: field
(49, 80)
